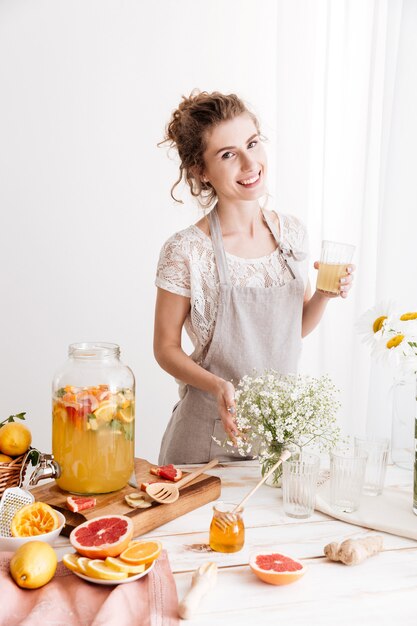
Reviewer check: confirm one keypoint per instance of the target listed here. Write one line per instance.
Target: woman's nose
(246, 162)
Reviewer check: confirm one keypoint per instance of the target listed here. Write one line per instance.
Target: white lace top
(187, 267)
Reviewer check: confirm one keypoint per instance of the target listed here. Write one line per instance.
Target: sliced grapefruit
(103, 536)
(276, 569)
(80, 503)
(169, 472)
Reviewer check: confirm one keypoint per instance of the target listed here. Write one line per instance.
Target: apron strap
(285, 251)
(218, 247)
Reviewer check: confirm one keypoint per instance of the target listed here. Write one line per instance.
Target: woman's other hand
(227, 409)
(345, 282)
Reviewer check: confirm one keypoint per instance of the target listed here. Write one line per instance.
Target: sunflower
(372, 323)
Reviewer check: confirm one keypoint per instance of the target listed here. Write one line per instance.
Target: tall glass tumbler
(334, 259)
(376, 465)
(347, 473)
(299, 484)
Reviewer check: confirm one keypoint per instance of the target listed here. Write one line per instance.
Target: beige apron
(257, 328)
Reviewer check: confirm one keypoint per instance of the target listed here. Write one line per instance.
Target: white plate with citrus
(130, 577)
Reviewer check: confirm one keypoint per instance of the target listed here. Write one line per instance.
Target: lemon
(121, 566)
(82, 564)
(97, 568)
(5, 459)
(125, 415)
(105, 411)
(71, 562)
(15, 439)
(33, 564)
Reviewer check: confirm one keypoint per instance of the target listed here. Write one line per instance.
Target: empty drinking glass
(299, 484)
(347, 473)
(376, 464)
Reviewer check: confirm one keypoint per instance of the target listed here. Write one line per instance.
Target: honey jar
(227, 530)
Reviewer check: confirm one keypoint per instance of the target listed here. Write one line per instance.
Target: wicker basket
(10, 473)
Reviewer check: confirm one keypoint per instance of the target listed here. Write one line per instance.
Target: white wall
(86, 89)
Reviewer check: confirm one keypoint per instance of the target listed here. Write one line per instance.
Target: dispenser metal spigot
(46, 467)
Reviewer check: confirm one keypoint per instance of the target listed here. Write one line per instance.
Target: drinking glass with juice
(334, 259)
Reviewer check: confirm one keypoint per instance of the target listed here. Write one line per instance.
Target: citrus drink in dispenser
(93, 419)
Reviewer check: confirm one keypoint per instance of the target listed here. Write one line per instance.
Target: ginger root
(354, 551)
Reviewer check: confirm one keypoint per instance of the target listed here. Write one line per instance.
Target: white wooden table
(382, 590)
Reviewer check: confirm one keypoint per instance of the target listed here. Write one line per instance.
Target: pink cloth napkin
(70, 601)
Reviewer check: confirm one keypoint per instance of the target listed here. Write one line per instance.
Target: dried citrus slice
(96, 568)
(105, 411)
(71, 562)
(276, 569)
(141, 552)
(120, 566)
(34, 519)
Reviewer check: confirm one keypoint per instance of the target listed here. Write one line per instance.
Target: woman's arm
(314, 306)
(170, 313)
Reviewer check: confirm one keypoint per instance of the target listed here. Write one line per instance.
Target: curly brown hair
(187, 132)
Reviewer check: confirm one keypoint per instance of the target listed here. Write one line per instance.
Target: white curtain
(347, 163)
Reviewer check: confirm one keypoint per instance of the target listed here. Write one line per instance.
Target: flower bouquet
(393, 338)
(391, 335)
(292, 411)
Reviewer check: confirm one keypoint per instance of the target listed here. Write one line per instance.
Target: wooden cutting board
(201, 490)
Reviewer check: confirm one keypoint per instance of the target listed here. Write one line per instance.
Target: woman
(236, 280)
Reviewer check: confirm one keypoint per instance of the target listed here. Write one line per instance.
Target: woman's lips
(251, 181)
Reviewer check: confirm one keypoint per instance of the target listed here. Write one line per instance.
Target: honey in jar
(227, 530)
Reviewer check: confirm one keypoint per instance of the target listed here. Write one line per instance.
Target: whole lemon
(15, 438)
(4, 458)
(33, 564)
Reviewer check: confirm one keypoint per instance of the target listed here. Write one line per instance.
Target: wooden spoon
(166, 493)
(223, 520)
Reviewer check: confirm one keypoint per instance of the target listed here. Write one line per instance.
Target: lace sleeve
(173, 271)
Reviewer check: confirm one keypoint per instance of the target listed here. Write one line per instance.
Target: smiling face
(235, 160)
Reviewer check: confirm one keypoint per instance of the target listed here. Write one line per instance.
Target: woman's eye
(227, 155)
(252, 144)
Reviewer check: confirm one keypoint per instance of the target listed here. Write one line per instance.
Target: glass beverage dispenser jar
(93, 412)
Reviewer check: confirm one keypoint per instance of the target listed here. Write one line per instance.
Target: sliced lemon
(120, 566)
(105, 412)
(96, 568)
(82, 564)
(71, 561)
(125, 415)
(122, 401)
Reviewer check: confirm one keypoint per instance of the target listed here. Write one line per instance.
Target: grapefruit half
(103, 536)
(276, 569)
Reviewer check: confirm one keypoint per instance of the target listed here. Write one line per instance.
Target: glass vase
(415, 448)
(275, 479)
(403, 417)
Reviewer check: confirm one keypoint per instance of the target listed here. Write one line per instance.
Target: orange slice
(96, 568)
(121, 566)
(34, 519)
(141, 552)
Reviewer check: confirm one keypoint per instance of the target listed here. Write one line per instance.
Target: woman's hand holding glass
(345, 282)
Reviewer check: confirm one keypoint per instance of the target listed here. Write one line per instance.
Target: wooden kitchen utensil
(166, 493)
(225, 519)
